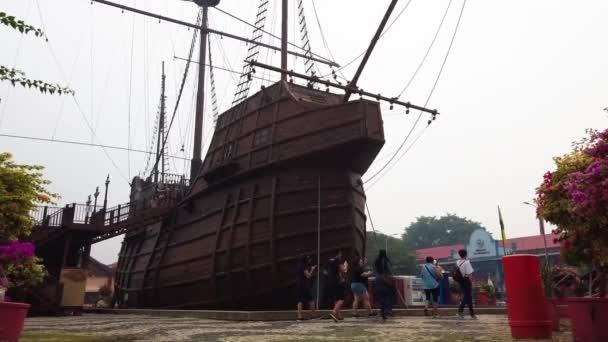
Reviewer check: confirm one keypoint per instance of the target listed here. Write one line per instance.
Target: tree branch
(18, 77)
(19, 25)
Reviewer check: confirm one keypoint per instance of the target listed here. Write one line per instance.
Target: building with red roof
(485, 254)
(527, 244)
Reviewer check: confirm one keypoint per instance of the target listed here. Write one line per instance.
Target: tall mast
(161, 125)
(353, 83)
(284, 39)
(160, 156)
(197, 163)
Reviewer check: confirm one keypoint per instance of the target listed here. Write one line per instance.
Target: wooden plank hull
(281, 173)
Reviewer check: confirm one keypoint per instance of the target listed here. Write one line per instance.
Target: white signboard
(481, 245)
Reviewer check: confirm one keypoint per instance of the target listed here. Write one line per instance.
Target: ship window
(262, 137)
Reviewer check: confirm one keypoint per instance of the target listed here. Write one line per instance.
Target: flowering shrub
(16, 252)
(574, 197)
(19, 267)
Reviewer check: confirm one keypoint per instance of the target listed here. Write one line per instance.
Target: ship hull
(271, 189)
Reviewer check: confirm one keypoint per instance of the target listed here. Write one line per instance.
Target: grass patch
(56, 337)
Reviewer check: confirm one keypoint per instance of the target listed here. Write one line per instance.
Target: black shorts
(434, 292)
(304, 295)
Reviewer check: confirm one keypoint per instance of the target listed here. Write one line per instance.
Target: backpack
(434, 273)
(457, 274)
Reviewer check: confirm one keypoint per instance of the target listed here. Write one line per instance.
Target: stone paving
(97, 328)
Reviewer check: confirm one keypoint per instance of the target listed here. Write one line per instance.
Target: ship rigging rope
(272, 34)
(371, 223)
(382, 35)
(445, 59)
(15, 62)
(73, 95)
(130, 93)
(181, 90)
(85, 144)
(401, 156)
(428, 50)
(64, 99)
(324, 40)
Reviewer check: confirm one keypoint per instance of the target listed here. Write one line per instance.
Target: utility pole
(197, 163)
(284, 39)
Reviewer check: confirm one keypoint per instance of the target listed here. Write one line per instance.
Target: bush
(574, 197)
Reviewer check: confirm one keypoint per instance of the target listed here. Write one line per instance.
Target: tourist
(304, 286)
(330, 276)
(384, 284)
(466, 286)
(359, 286)
(431, 275)
(340, 287)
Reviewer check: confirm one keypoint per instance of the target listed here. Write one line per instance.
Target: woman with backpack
(462, 274)
(431, 276)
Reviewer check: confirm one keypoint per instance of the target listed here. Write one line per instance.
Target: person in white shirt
(466, 286)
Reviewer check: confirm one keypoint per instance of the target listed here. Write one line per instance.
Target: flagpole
(502, 232)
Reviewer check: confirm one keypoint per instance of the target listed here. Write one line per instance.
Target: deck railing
(106, 220)
(123, 212)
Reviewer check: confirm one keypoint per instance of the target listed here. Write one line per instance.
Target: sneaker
(473, 317)
(460, 316)
(331, 314)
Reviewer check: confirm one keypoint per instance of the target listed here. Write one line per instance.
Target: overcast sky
(523, 80)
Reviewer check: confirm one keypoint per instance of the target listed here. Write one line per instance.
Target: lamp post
(105, 197)
(96, 194)
(386, 236)
(541, 225)
(88, 210)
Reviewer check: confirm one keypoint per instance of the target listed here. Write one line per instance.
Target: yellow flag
(502, 229)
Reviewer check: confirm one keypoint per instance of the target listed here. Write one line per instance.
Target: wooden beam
(211, 31)
(314, 79)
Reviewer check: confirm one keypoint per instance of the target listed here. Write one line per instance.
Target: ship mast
(352, 85)
(197, 162)
(284, 39)
(160, 155)
(204, 31)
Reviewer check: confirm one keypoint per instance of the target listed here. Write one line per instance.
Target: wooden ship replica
(281, 179)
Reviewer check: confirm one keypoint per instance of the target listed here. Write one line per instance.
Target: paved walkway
(98, 328)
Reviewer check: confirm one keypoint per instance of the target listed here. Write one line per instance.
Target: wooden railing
(111, 221)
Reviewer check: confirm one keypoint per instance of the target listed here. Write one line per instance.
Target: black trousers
(467, 296)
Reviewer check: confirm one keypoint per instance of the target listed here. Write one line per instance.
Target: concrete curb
(244, 316)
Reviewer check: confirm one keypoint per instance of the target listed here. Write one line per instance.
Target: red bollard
(526, 302)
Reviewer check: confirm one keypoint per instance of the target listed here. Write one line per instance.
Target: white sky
(524, 79)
